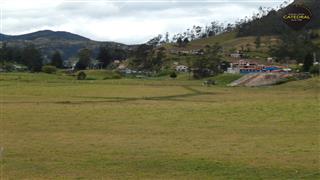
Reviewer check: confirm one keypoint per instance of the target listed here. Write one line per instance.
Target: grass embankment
(53, 127)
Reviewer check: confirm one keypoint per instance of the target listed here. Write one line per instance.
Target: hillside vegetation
(231, 43)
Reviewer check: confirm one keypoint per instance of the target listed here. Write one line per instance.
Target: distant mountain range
(68, 44)
(48, 34)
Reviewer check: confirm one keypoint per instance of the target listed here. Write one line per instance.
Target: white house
(235, 55)
(182, 68)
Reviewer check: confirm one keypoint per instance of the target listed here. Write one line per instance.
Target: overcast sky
(126, 21)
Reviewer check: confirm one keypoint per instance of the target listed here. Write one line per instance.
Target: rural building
(122, 66)
(246, 67)
(270, 60)
(182, 68)
(95, 64)
(116, 61)
(235, 55)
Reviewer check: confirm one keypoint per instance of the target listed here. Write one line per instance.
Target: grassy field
(55, 127)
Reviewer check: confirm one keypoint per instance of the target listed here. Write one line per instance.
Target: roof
(271, 68)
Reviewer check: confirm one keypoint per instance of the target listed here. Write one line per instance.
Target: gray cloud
(127, 21)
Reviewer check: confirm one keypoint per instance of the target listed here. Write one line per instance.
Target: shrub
(49, 69)
(91, 78)
(164, 73)
(114, 76)
(8, 67)
(173, 75)
(81, 75)
(315, 69)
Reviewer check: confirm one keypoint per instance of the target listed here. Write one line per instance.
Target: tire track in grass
(103, 99)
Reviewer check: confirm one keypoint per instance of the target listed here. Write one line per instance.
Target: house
(235, 55)
(116, 61)
(122, 66)
(270, 60)
(244, 67)
(20, 68)
(182, 68)
(95, 64)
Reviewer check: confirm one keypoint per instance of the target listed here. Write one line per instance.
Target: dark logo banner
(296, 16)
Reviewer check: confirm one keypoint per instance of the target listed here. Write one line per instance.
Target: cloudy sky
(126, 21)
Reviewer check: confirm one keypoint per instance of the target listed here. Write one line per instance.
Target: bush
(297, 68)
(81, 75)
(164, 73)
(91, 78)
(49, 69)
(116, 76)
(113, 76)
(8, 67)
(173, 75)
(315, 69)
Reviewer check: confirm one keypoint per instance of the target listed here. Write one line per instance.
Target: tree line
(33, 59)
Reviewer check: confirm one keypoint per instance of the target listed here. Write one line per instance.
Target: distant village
(237, 64)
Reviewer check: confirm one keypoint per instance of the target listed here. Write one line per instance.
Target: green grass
(55, 127)
(224, 79)
(101, 74)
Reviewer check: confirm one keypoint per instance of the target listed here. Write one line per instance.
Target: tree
(155, 41)
(141, 56)
(179, 41)
(104, 56)
(294, 45)
(173, 75)
(32, 58)
(209, 63)
(81, 76)
(185, 41)
(197, 30)
(148, 58)
(84, 59)
(10, 54)
(308, 62)
(158, 60)
(4, 51)
(119, 54)
(49, 69)
(167, 37)
(56, 60)
(315, 69)
(214, 57)
(258, 42)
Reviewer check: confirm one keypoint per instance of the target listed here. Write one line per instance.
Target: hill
(269, 28)
(68, 44)
(48, 34)
(272, 23)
